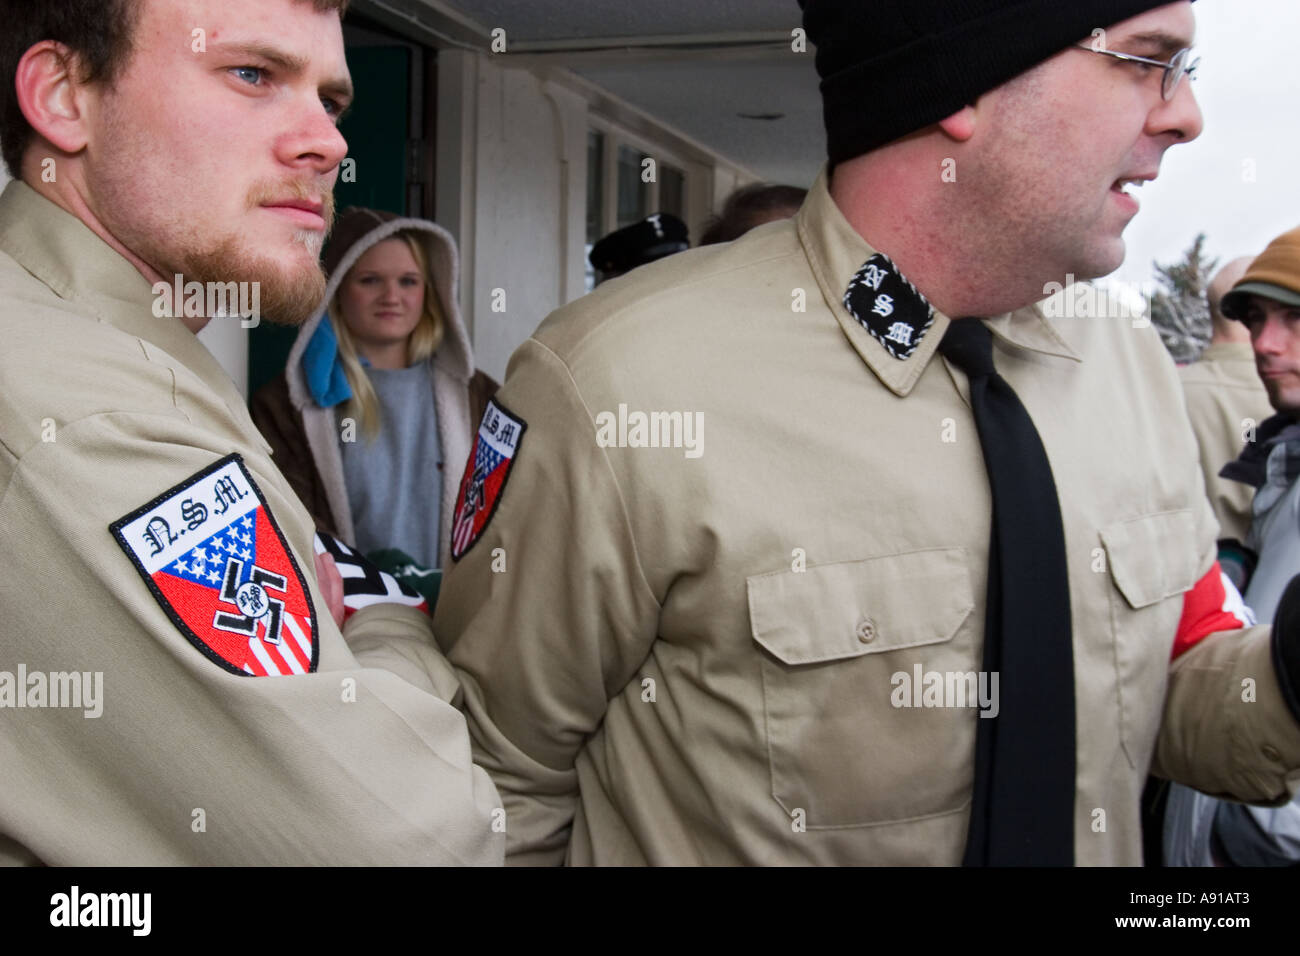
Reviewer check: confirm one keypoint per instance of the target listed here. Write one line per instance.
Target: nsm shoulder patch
(489, 464)
(214, 558)
(888, 306)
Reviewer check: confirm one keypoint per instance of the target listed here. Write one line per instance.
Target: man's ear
(50, 95)
(960, 126)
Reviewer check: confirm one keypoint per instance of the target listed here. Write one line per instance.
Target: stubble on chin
(288, 293)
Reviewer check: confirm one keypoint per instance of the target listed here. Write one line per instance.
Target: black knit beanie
(891, 67)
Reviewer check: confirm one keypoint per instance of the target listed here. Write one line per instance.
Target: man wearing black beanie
(941, 588)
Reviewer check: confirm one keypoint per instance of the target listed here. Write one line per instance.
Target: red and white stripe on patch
(288, 657)
(1212, 605)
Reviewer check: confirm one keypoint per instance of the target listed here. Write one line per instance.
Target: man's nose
(1270, 338)
(315, 141)
(1181, 116)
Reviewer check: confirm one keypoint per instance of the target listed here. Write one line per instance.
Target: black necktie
(1022, 808)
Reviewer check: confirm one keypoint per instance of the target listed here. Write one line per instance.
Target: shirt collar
(836, 252)
(1228, 352)
(61, 251)
(1029, 329)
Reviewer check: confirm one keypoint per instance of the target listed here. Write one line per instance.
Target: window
(633, 196)
(595, 186)
(617, 191)
(672, 191)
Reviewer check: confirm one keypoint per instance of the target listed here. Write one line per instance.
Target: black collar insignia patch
(888, 306)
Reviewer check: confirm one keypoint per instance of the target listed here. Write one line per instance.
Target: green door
(377, 129)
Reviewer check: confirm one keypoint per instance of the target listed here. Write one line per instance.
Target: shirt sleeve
(547, 615)
(362, 761)
(1227, 730)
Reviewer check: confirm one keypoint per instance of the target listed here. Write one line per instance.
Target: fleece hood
(313, 362)
(312, 371)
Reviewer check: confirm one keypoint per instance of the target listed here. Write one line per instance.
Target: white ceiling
(705, 99)
(694, 77)
(567, 19)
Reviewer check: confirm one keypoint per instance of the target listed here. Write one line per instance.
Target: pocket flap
(1152, 557)
(834, 611)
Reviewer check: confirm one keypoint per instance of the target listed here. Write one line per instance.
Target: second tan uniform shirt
(693, 655)
(1226, 401)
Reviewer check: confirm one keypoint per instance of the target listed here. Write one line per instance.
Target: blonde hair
(423, 342)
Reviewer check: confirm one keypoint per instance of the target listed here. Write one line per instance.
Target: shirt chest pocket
(1153, 559)
(850, 739)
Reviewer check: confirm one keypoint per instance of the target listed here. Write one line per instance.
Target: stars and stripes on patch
(363, 583)
(212, 555)
(1212, 605)
(495, 447)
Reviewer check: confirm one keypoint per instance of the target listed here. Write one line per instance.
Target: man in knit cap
(941, 586)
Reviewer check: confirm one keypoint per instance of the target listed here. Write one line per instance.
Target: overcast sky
(1249, 91)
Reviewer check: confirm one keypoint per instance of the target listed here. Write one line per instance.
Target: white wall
(512, 180)
(512, 167)
(524, 191)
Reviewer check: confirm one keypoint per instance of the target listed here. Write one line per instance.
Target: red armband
(1213, 605)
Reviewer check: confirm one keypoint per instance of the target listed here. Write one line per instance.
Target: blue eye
(244, 71)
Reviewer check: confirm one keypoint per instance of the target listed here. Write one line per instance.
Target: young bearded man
(222, 712)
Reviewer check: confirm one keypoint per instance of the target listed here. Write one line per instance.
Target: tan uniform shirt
(1226, 401)
(677, 655)
(104, 407)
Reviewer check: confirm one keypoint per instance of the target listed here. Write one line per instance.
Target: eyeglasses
(1175, 69)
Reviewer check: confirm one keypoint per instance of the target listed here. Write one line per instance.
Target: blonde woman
(374, 415)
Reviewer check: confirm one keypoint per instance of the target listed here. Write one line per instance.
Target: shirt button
(1270, 753)
(867, 631)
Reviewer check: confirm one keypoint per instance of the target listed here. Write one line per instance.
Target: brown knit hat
(353, 223)
(1274, 275)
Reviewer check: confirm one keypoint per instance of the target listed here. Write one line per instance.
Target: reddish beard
(289, 294)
